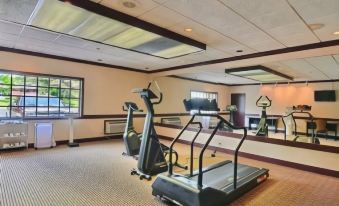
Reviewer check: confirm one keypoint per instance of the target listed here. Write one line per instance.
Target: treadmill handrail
(200, 175)
(192, 146)
(295, 123)
(221, 120)
(170, 163)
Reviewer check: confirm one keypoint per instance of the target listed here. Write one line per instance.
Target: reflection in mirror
(314, 118)
(290, 125)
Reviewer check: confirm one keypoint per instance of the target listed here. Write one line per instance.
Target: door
(239, 116)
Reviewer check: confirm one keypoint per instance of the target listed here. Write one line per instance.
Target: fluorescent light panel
(66, 18)
(258, 73)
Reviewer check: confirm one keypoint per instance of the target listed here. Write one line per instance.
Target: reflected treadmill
(218, 184)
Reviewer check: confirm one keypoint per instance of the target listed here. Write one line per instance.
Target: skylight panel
(91, 21)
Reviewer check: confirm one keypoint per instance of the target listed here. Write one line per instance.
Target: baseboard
(83, 140)
(308, 168)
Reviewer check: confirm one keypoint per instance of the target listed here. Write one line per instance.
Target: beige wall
(283, 96)
(105, 88)
(105, 91)
(176, 90)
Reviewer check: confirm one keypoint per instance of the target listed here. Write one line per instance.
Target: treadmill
(218, 184)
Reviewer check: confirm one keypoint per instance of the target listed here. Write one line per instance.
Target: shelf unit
(13, 134)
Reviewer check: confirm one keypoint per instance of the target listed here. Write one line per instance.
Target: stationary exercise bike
(262, 129)
(131, 138)
(152, 154)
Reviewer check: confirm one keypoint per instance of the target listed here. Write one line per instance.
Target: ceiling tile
(17, 10)
(40, 34)
(326, 64)
(307, 71)
(209, 54)
(222, 19)
(6, 43)
(163, 17)
(320, 11)
(276, 18)
(208, 36)
(284, 69)
(8, 37)
(336, 57)
(142, 6)
(71, 41)
(10, 28)
(160, 1)
(217, 77)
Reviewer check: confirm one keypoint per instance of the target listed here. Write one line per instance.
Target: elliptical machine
(131, 138)
(152, 154)
(262, 129)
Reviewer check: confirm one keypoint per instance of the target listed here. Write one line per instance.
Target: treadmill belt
(222, 176)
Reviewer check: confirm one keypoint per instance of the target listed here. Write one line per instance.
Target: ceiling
(226, 26)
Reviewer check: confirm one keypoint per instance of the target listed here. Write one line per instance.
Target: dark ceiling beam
(51, 56)
(198, 80)
(37, 54)
(254, 55)
(133, 21)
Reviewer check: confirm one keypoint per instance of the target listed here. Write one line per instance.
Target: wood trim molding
(69, 59)
(290, 82)
(84, 140)
(113, 116)
(296, 117)
(323, 148)
(313, 169)
(197, 80)
(254, 84)
(318, 170)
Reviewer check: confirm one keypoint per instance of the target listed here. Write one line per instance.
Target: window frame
(206, 92)
(79, 114)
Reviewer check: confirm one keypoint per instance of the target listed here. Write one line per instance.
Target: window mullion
(49, 86)
(24, 104)
(59, 96)
(10, 97)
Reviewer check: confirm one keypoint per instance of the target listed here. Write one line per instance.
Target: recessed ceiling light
(239, 51)
(336, 33)
(129, 4)
(316, 26)
(188, 29)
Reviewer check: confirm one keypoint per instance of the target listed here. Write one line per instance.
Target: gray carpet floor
(96, 174)
(93, 174)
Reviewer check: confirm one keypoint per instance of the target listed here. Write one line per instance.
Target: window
(204, 95)
(29, 95)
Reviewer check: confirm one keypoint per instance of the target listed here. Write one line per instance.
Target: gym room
(169, 102)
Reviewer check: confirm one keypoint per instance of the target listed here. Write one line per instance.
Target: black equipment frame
(201, 155)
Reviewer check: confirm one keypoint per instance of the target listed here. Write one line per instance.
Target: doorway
(239, 116)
